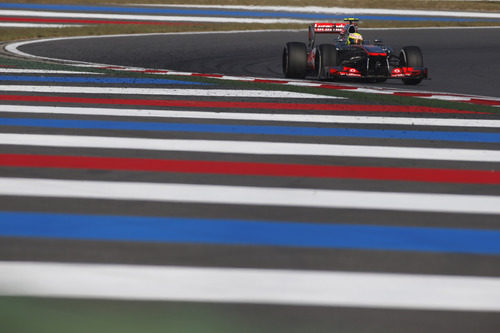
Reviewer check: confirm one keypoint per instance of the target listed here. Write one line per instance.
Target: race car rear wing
(348, 26)
(321, 28)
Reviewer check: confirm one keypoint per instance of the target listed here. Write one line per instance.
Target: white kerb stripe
(248, 285)
(163, 91)
(247, 195)
(304, 118)
(251, 147)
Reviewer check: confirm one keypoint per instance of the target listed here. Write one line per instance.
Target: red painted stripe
(484, 101)
(235, 105)
(207, 75)
(153, 71)
(253, 169)
(80, 21)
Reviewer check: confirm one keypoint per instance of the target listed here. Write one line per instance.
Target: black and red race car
(373, 62)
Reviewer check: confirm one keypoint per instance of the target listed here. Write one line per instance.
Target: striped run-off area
(33, 15)
(274, 203)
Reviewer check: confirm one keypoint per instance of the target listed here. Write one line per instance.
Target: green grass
(29, 315)
(44, 315)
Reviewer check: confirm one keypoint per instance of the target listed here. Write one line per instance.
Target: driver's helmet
(354, 39)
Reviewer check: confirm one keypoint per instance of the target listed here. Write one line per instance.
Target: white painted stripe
(340, 10)
(249, 285)
(164, 18)
(302, 84)
(302, 118)
(41, 71)
(246, 195)
(162, 91)
(448, 98)
(169, 72)
(251, 147)
(376, 91)
(240, 78)
(36, 25)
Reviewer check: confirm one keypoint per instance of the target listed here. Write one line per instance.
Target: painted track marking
(298, 131)
(304, 118)
(237, 105)
(161, 18)
(252, 147)
(255, 169)
(83, 79)
(43, 71)
(160, 91)
(243, 285)
(246, 232)
(248, 195)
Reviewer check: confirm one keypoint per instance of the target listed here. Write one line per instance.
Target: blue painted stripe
(244, 232)
(72, 79)
(256, 130)
(231, 13)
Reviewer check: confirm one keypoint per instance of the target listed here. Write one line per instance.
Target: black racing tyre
(295, 60)
(326, 57)
(411, 56)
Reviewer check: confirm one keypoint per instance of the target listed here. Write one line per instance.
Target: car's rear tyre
(411, 56)
(326, 57)
(295, 60)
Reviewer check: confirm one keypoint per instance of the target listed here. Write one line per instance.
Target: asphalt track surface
(258, 54)
(459, 60)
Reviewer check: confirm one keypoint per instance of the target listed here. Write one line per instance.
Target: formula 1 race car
(373, 62)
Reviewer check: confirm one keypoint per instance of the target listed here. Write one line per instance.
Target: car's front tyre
(411, 56)
(326, 57)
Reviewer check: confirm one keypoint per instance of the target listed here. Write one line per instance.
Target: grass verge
(81, 316)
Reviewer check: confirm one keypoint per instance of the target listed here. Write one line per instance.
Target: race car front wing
(395, 73)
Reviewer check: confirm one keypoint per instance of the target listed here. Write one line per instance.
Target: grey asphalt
(459, 60)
